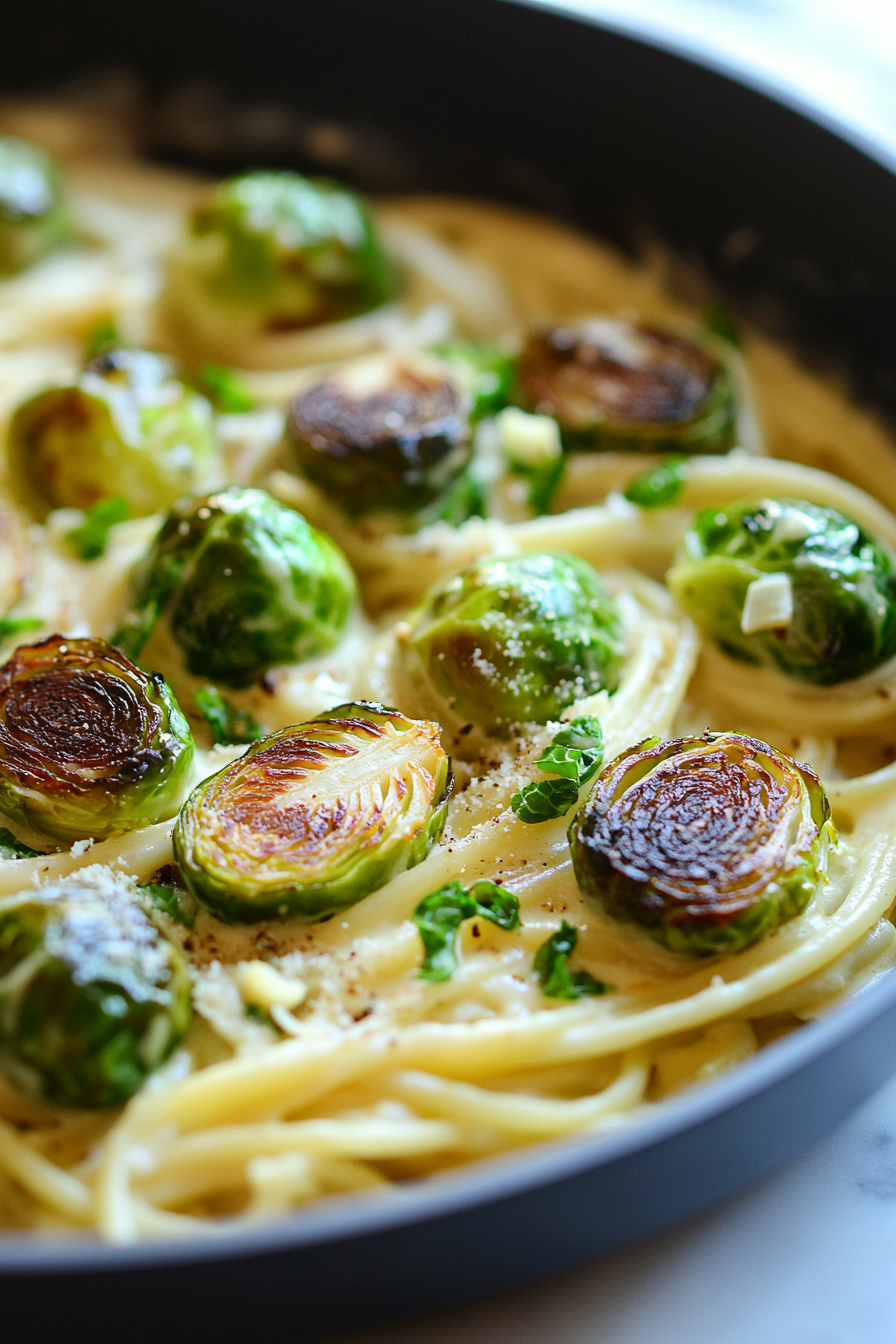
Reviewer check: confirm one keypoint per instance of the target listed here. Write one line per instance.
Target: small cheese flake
(264, 986)
(529, 440)
(768, 604)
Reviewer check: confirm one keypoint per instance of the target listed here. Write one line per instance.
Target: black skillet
(796, 227)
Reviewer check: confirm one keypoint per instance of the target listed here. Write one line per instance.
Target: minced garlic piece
(261, 984)
(768, 604)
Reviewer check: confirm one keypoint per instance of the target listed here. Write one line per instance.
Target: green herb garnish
(91, 538)
(19, 625)
(226, 389)
(11, 848)
(230, 726)
(440, 914)
(102, 337)
(718, 319)
(171, 901)
(659, 487)
(575, 754)
(557, 980)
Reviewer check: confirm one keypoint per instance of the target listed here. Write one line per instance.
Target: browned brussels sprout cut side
(707, 842)
(315, 817)
(89, 744)
(92, 997)
(611, 384)
(386, 434)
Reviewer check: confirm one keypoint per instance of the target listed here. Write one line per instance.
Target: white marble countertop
(809, 1255)
(805, 1257)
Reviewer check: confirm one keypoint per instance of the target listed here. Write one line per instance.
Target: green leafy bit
(659, 487)
(11, 848)
(230, 726)
(172, 901)
(19, 625)
(91, 538)
(557, 980)
(575, 754)
(440, 914)
(226, 389)
(543, 479)
(545, 799)
(103, 336)
(718, 319)
(259, 1014)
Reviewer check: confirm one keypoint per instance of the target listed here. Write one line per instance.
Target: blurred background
(836, 55)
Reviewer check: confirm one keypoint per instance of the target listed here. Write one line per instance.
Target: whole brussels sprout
(389, 433)
(707, 842)
(612, 384)
(32, 216)
(89, 744)
(290, 251)
(315, 817)
(828, 614)
(513, 640)
(128, 427)
(245, 583)
(92, 997)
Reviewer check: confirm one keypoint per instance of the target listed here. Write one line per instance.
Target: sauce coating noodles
(373, 1074)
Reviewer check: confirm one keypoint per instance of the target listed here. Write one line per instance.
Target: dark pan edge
(504, 1178)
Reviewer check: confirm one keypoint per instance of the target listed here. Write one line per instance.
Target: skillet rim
(539, 1165)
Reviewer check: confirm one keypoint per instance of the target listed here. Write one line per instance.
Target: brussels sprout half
(89, 744)
(292, 251)
(128, 427)
(614, 385)
(32, 216)
(513, 641)
(246, 584)
(92, 997)
(389, 433)
(707, 842)
(839, 621)
(315, 817)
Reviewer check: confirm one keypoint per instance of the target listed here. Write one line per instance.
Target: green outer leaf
(843, 583)
(557, 981)
(513, 640)
(239, 877)
(154, 792)
(247, 584)
(545, 799)
(485, 371)
(226, 390)
(640, 893)
(660, 487)
(89, 541)
(106, 1000)
(11, 848)
(230, 726)
(440, 914)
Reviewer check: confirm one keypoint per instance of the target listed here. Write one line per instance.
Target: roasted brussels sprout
(385, 434)
(707, 842)
(284, 250)
(513, 641)
(613, 384)
(791, 585)
(92, 997)
(128, 427)
(315, 817)
(89, 744)
(245, 583)
(32, 215)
